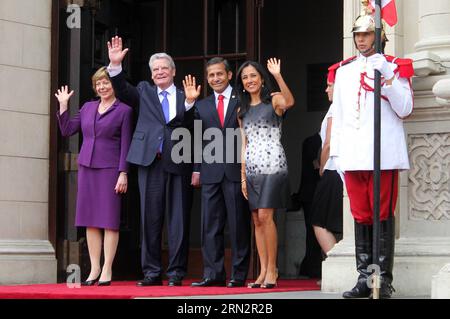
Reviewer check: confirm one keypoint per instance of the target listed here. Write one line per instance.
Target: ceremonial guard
(352, 145)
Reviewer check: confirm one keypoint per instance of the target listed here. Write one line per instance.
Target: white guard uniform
(352, 133)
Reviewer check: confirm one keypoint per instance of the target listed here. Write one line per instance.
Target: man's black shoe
(175, 282)
(361, 290)
(209, 283)
(236, 283)
(386, 291)
(150, 281)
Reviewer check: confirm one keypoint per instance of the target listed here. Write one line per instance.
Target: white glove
(379, 62)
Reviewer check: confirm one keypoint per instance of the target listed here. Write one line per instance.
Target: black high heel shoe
(254, 285)
(91, 282)
(104, 283)
(268, 286)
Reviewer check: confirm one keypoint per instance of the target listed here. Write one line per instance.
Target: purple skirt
(98, 205)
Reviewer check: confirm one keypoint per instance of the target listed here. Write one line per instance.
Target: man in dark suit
(163, 184)
(220, 178)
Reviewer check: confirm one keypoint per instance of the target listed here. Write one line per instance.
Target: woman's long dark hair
(244, 96)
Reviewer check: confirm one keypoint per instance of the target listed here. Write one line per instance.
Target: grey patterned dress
(265, 160)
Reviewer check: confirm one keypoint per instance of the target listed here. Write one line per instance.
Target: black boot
(387, 244)
(363, 253)
(386, 261)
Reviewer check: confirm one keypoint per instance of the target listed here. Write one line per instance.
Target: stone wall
(26, 256)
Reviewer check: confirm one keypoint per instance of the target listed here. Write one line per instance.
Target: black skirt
(268, 191)
(327, 206)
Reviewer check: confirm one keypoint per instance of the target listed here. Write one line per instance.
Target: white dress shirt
(330, 166)
(226, 100)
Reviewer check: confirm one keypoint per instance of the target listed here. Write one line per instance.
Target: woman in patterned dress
(265, 180)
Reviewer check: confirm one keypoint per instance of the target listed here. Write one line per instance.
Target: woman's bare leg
(271, 243)
(261, 247)
(94, 242)
(110, 245)
(325, 238)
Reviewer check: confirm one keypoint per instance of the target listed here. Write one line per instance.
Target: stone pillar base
(339, 269)
(415, 264)
(27, 262)
(441, 284)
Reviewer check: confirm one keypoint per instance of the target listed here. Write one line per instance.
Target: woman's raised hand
(285, 100)
(63, 97)
(115, 51)
(274, 66)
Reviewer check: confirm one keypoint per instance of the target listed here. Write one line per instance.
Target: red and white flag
(388, 11)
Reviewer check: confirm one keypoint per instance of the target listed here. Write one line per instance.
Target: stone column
(26, 255)
(434, 26)
(441, 284)
(423, 248)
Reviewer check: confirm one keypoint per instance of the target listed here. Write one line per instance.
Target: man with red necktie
(222, 198)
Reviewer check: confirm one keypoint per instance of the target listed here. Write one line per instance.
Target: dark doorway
(306, 35)
(214, 28)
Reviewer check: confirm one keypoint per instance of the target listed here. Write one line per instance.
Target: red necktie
(220, 109)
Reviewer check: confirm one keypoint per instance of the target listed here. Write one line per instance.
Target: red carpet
(128, 290)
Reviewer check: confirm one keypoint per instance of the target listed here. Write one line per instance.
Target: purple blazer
(106, 137)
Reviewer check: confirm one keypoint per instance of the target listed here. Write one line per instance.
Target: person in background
(327, 210)
(311, 264)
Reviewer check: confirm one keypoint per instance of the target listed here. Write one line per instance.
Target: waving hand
(116, 52)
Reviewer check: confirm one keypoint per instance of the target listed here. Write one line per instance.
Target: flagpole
(377, 157)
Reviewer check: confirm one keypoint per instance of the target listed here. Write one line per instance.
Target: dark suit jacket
(151, 128)
(206, 111)
(106, 141)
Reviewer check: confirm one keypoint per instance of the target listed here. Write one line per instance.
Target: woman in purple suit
(106, 126)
